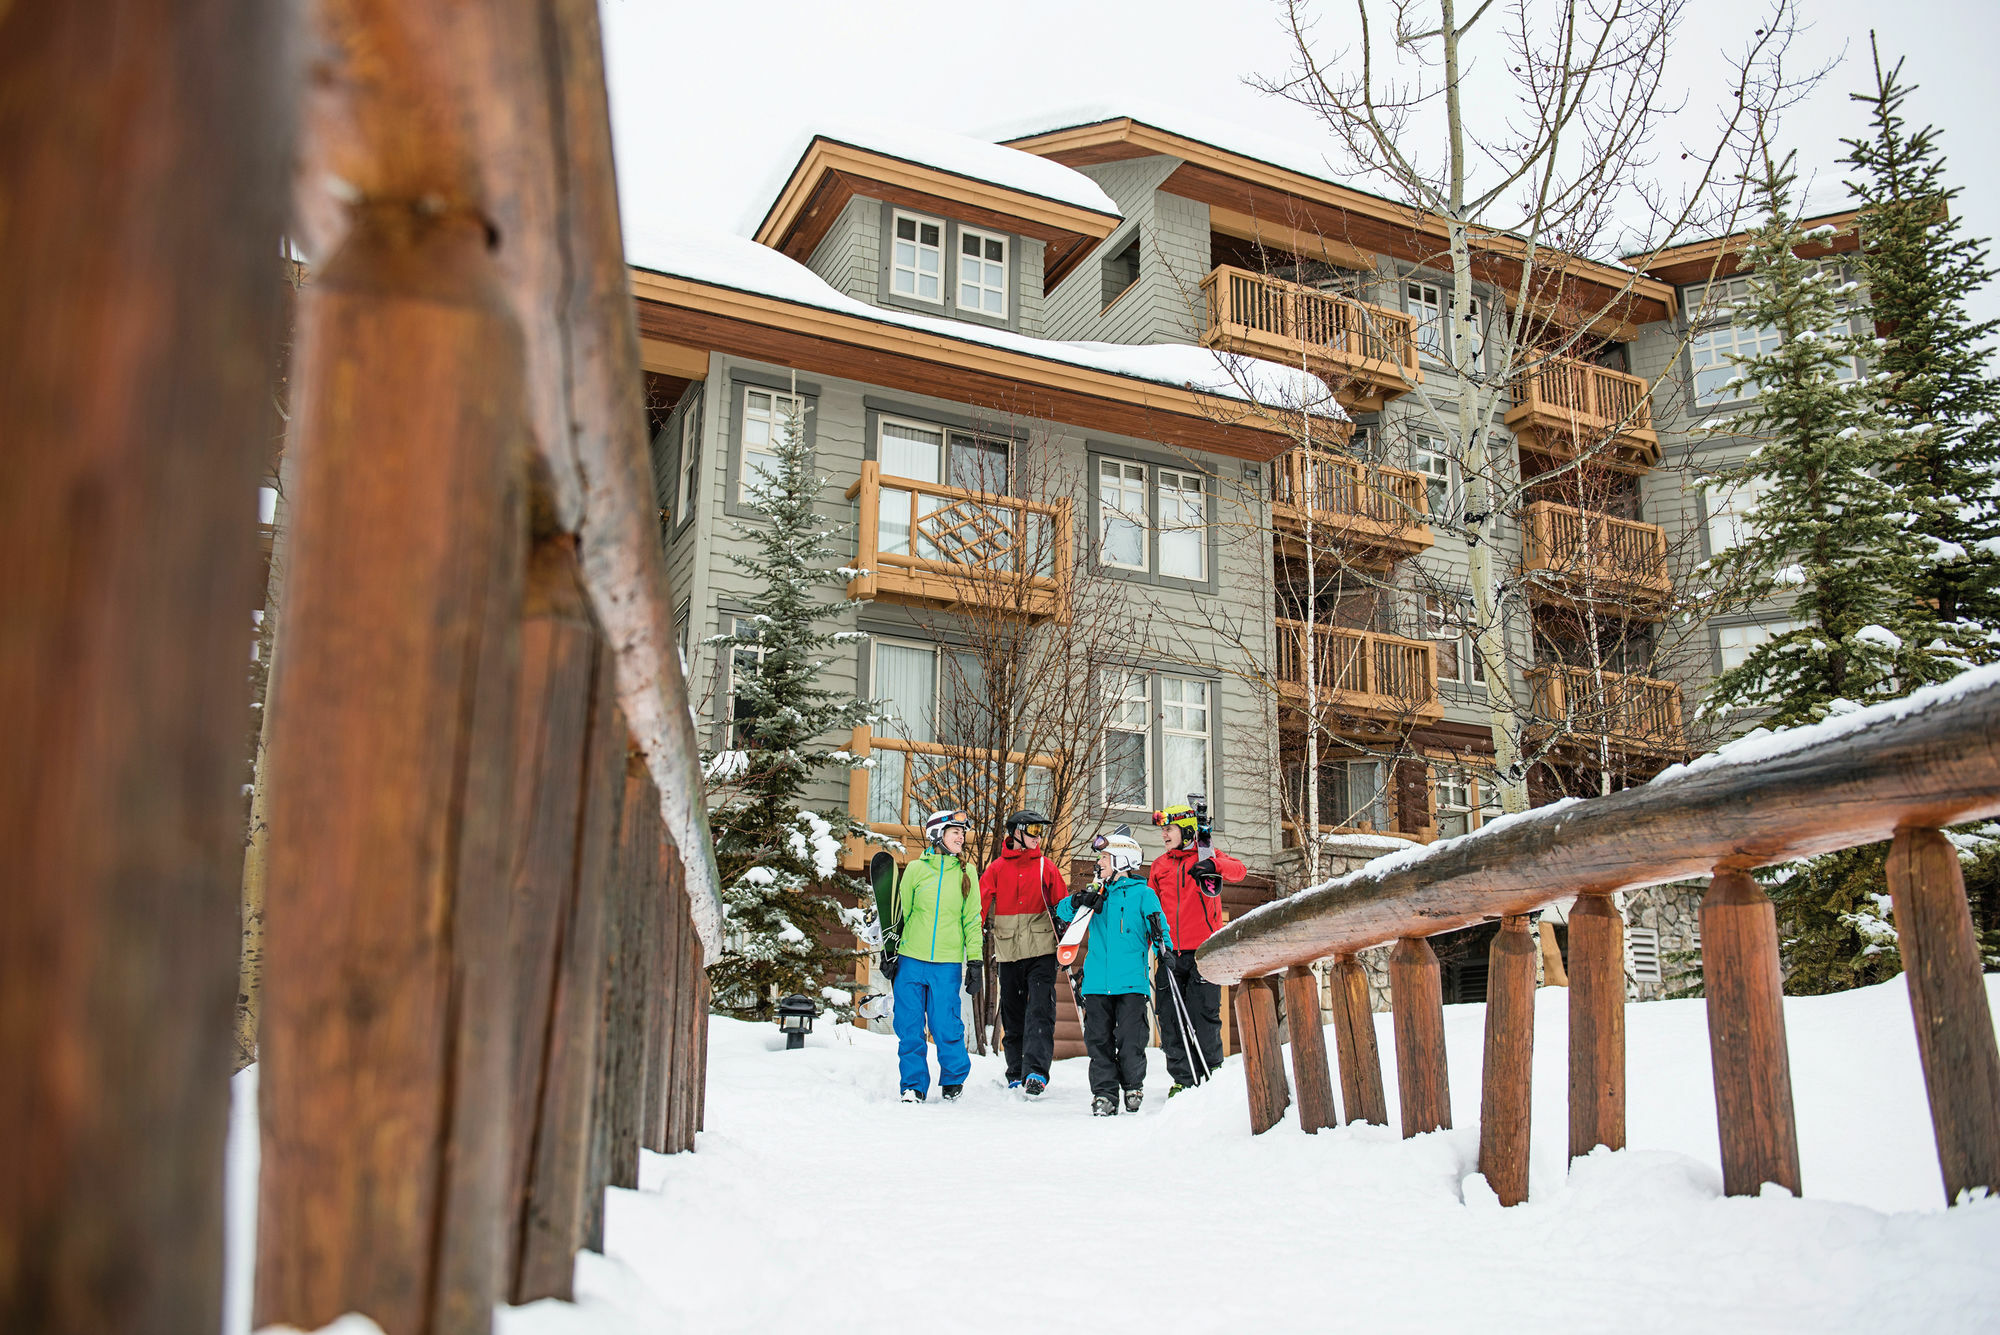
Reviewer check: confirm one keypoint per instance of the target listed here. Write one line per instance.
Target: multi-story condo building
(1090, 355)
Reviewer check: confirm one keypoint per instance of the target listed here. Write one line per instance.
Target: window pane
(906, 228)
(930, 234)
(893, 525)
(906, 684)
(1125, 770)
(979, 465)
(964, 720)
(1124, 542)
(885, 788)
(1183, 535)
(911, 451)
(1186, 767)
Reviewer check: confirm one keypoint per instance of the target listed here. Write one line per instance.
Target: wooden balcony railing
(1368, 353)
(1351, 500)
(1582, 555)
(1903, 770)
(1564, 408)
(1636, 714)
(1384, 678)
(939, 546)
(909, 780)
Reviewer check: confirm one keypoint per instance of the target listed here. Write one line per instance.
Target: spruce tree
(779, 860)
(1934, 378)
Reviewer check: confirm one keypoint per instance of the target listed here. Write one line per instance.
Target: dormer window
(982, 272)
(916, 263)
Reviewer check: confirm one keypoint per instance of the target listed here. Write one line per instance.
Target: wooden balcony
(1565, 408)
(1364, 677)
(1638, 715)
(909, 780)
(937, 546)
(1577, 556)
(1352, 502)
(1367, 353)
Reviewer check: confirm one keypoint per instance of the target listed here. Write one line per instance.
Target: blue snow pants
(927, 992)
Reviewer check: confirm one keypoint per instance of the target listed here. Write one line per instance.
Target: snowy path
(818, 1203)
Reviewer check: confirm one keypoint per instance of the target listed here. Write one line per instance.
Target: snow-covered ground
(816, 1202)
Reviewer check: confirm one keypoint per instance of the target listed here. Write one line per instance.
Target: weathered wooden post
(566, 733)
(1596, 1025)
(1361, 1093)
(1746, 1035)
(1417, 997)
(1941, 960)
(1263, 1068)
(1309, 1067)
(673, 977)
(626, 995)
(143, 156)
(1507, 1077)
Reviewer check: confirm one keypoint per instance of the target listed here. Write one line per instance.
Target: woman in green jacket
(940, 950)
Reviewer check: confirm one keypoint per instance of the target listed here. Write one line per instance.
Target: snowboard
(882, 877)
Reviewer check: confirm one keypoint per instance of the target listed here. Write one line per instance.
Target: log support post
(1510, 1052)
(1361, 1094)
(1417, 997)
(1941, 960)
(1746, 1035)
(1596, 1025)
(1310, 1072)
(1263, 1067)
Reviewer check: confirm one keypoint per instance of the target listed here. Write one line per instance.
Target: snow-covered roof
(1289, 154)
(740, 264)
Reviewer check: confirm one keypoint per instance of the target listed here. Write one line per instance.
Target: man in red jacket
(1017, 893)
(1191, 894)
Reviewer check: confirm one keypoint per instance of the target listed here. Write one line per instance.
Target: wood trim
(674, 359)
(1702, 261)
(1282, 236)
(924, 362)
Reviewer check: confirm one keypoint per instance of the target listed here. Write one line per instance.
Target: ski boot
(1103, 1107)
(951, 1092)
(1176, 1089)
(1034, 1085)
(1132, 1099)
(1013, 1084)
(911, 1096)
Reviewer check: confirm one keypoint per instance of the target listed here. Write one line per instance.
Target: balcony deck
(1578, 556)
(1567, 408)
(936, 546)
(1351, 502)
(1637, 715)
(1365, 677)
(910, 779)
(1366, 353)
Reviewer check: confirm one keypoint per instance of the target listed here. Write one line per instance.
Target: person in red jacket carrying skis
(1017, 894)
(1188, 879)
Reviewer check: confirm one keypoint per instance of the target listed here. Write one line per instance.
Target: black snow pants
(1204, 1005)
(1028, 1015)
(1114, 1033)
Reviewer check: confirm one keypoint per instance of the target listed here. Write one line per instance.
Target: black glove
(889, 962)
(1205, 870)
(1090, 897)
(975, 976)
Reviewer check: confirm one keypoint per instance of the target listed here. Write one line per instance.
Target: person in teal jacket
(1126, 921)
(939, 950)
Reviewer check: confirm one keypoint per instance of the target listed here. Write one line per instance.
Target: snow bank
(737, 263)
(963, 156)
(824, 1205)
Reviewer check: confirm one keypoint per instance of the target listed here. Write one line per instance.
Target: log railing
(489, 884)
(1360, 671)
(1584, 554)
(1634, 713)
(1337, 336)
(923, 542)
(1567, 407)
(910, 779)
(1351, 498)
(1900, 771)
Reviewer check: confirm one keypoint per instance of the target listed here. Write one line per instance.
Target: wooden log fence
(1900, 771)
(486, 931)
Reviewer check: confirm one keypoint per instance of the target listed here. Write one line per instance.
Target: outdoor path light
(795, 1017)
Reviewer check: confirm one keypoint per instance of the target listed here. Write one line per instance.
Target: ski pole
(1188, 1039)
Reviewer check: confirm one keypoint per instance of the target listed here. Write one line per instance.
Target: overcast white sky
(711, 103)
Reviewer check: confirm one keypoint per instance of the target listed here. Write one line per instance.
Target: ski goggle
(1034, 830)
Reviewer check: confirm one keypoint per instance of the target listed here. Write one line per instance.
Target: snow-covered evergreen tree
(1826, 536)
(780, 860)
(1935, 382)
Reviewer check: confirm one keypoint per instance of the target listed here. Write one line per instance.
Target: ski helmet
(1023, 819)
(1120, 847)
(940, 821)
(1182, 818)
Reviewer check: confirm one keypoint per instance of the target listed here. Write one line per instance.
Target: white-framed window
(1127, 769)
(1642, 954)
(1730, 507)
(928, 693)
(916, 257)
(1430, 456)
(1431, 305)
(910, 450)
(1449, 623)
(767, 413)
(1123, 526)
(982, 272)
(1462, 800)
(1183, 525)
(1185, 720)
(1724, 339)
(1734, 644)
(742, 658)
(690, 463)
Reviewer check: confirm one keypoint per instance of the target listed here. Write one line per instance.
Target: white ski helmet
(940, 821)
(1121, 848)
